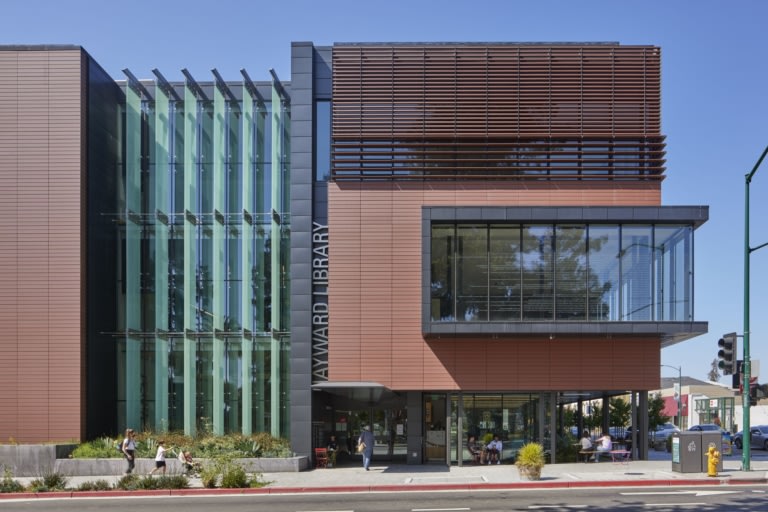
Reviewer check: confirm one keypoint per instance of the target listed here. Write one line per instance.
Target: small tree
(655, 415)
(620, 412)
(714, 372)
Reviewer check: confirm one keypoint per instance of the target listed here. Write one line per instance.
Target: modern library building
(436, 240)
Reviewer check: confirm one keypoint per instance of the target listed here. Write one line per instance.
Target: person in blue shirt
(366, 441)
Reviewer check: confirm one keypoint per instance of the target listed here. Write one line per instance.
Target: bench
(617, 456)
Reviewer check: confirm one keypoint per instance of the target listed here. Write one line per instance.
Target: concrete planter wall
(32, 459)
(36, 460)
(99, 467)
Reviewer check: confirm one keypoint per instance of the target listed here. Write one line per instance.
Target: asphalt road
(747, 498)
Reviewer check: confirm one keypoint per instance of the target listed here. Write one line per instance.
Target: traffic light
(727, 353)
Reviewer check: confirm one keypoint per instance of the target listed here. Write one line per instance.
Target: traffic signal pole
(747, 437)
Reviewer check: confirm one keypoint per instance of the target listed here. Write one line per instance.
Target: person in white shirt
(493, 450)
(586, 444)
(159, 458)
(605, 446)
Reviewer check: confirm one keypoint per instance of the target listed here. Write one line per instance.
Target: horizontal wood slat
(485, 112)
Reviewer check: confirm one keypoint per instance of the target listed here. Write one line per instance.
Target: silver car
(663, 432)
(758, 437)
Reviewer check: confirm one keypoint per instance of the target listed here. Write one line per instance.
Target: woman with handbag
(365, 446)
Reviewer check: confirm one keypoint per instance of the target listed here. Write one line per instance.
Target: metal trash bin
(688, 454)
(717, 439)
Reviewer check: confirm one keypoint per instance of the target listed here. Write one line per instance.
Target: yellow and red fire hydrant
(713, 459)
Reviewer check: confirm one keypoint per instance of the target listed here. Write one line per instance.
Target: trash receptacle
(688, 452)
(717, 439)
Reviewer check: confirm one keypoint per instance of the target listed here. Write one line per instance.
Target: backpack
(119, 446)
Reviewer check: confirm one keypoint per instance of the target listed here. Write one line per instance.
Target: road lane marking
(437, 509)
(559, 507)
(677, 493)
(691, 504)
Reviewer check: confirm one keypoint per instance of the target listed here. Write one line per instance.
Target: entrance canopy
(359, 391)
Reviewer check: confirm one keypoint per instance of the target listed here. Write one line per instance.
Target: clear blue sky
(714, 91)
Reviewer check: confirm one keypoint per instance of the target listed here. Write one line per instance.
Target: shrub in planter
(127, 483)
(8, 484)
(98, 485)
(233, 477)
(52, 481)
(530, 460)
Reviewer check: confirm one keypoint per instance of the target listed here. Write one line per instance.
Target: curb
(694, 482)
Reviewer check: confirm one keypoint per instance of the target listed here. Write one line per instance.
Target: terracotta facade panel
(40, 235)
(376, 288)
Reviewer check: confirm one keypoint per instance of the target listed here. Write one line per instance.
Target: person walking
(365, 446)
(159, 458)
(129, 449)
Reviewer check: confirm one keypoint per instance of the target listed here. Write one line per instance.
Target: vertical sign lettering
(319, 302)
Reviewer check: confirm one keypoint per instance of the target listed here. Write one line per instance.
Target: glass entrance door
(389, 427)
(435, 416)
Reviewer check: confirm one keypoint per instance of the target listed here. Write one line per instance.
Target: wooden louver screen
(477, 111)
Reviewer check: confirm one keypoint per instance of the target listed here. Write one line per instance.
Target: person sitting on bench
(604, 447)
(586, 445)
(474, 450)
(493, 450)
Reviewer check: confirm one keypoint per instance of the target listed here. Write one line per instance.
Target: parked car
(758, 437)
(663, 432)
(711, 427)
(660, 433)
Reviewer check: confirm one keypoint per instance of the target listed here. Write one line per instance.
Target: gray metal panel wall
(302, 174)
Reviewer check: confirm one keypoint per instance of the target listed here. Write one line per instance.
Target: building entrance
(515, 418)
(389, 427)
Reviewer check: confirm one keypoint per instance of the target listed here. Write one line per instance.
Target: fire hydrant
(713, 459)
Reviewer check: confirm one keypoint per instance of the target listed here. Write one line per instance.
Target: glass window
(322, 140)
(509, 273)
(472, 273)
(538, 278)
(204, 383)
(636, 257)
(233, 390)
(441, 287)
(673, 269)
(603, 279)
(571, 273)
(505, 283)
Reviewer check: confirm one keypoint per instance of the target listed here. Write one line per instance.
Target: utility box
(688, 455)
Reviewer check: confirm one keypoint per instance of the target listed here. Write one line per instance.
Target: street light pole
(746, 441)
(679, 394)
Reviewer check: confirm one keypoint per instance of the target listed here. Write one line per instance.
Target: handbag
(361, 447)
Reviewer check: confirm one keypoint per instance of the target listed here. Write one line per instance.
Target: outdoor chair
(321, 457)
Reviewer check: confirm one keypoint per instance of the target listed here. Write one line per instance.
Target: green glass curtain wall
(202, 339)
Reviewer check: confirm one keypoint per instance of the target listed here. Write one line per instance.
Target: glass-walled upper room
(481, 272)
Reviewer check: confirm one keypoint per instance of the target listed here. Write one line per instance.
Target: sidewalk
(400, 477)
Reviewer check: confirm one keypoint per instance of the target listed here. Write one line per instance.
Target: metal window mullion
(219, 254)
(133, 321)
(246, 262)
(276, 384)
(161, 131)
(190, 275)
